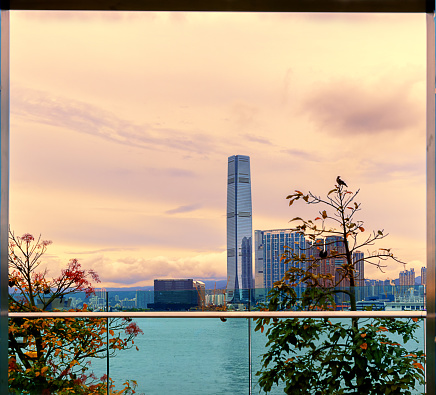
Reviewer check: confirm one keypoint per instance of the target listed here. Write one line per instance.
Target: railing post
(4, 196)
(250, 366)
(107, 345)
(431, 211)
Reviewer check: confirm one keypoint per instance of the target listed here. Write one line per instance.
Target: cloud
(257, 139)
(300, 154)
(184, 209)
(407, 170)
(88, 16)
(133, 270)
(98, 251)
(343, 107)
(82, 117)
(244, 115)
(286, 85)
(172, 172)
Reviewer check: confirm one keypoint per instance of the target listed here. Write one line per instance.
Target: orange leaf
(362, 229)
(111, 332)
(364, 346)
(363, 335)
(417, 365)
(415, 319)
(261, 329)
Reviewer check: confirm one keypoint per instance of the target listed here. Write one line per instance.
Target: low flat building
(178, 294)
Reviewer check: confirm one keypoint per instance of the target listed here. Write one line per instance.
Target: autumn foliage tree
(54, 355)
(322, 356)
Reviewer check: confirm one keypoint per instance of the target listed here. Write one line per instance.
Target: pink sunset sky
(121, 125)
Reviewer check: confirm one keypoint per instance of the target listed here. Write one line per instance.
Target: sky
(121, 125)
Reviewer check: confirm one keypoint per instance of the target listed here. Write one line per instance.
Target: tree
(53, 355)
(321, 356)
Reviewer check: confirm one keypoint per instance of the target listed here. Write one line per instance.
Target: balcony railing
(203, 352)
(185, 353)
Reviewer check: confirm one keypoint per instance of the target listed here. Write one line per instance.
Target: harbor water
(196, 357)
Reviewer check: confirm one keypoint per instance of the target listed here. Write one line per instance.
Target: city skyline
(120, 124)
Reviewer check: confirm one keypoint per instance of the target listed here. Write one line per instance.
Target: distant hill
(209, 284)
(125, 289)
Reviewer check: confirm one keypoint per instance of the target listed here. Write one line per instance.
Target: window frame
(349, 6)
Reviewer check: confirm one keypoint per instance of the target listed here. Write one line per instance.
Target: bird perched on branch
(340, 182)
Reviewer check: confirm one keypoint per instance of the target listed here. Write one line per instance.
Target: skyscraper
(407, 278)
(239, 229)
(359, 262)
(423, 276)
(270, 245)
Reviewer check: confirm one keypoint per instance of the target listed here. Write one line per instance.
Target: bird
(340, 182)
(323, 254)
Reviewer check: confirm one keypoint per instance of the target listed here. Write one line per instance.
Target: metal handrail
(221, 314)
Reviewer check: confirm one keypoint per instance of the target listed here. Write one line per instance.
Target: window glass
(122, 123)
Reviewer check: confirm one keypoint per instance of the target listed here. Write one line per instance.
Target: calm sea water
(194, 357)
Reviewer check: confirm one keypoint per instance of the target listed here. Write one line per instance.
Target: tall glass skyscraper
(239, 230)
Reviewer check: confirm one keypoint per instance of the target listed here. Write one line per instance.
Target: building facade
(239, 230)
(359, 264)
(270, 245)
(178, 294)
(423, 276)
(407, 278)
(144, 298)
